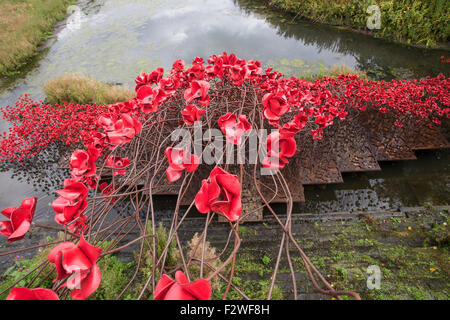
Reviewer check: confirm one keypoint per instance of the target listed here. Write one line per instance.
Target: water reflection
(38, 177)
(381, 59)
(399, 184)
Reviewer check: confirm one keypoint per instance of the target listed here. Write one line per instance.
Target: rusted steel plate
(421, 137)
(316, 162)
(386, 140)
(268, 186)
(353, 152)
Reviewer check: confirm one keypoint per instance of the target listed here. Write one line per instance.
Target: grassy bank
(417, 22)
(24, 24)
(411, 252)
(311, 71)
(74, 88)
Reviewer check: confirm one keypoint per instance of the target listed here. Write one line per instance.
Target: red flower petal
(88, 284)
(20, 293)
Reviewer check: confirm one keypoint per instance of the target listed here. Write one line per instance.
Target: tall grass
(80, 89)
(24, 24)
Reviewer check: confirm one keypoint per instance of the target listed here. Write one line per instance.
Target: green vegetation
(79, 89)
(24, 24)
(146, 270)
(412, 253)
(311, 71)
(22, 267)
(419, 22)
(254, 289)
(410, 268)
(115, 276)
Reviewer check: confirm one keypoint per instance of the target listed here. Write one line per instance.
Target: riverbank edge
(41, 44)
(277, 7)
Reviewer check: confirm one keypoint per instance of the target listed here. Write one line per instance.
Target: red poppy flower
(324, 120)
(145, 79)
(142, 80)
(234, 130)
(178, 66)
(192, 114)
(118, 163)
(96, 140)
(145, 95)
(19, 220)
(123, 107)
(181, 288)
(218, 69)
(120, 131)
(199, 89)
(275, 105)
(290, 128)
(279, 147)
(80, 262)
(179, 160)
(221, 192)
(20, 293)
(169, 85)
(91, 181)
(82, 163)
(71, 203)
(197, 72)
(254, 68)
(238, 73)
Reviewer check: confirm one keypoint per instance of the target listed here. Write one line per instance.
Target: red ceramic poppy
(275, 105)
(238, 74)
(254, 69)
(79, 262)
(82, 163)
(71, 203)
(118, 164)
(19, 220)
(198, 90)
(145, 79)
(181, 288)
(179, 160)
(197, 72)
(233, 129)
(20, 293)
(121, 130)
(123, 107)
(178, 66)
(192, 114)
(279, 148)
(221, 192)
(145, 95)
(169, 85)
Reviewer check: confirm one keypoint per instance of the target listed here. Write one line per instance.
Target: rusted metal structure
(355, 145)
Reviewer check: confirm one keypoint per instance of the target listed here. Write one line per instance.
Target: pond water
(115, 40)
